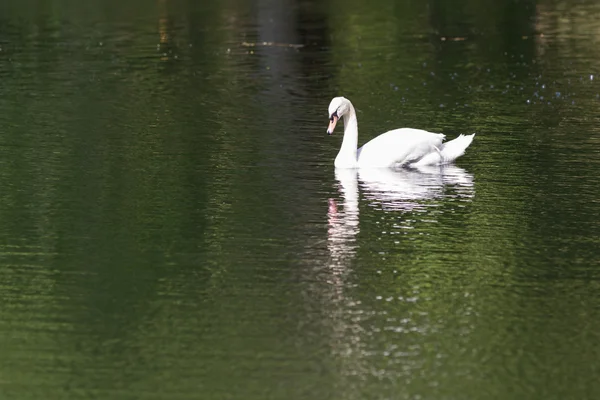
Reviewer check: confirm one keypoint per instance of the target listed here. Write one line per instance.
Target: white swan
(399, 147)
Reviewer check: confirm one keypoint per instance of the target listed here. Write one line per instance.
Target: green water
(172, 227)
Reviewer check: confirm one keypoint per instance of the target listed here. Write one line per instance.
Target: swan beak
(331, 127)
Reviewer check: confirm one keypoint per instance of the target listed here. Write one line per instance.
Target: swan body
(395, 148)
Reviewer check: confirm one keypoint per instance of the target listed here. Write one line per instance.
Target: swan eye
(334, 115)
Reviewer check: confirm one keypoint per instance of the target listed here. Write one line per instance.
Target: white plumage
(395, 148)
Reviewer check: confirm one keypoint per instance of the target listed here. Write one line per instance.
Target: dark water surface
(172, 227)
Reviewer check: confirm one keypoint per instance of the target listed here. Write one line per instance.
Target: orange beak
(331, 127)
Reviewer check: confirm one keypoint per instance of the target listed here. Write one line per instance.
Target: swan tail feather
(447, 152)
(455, 148)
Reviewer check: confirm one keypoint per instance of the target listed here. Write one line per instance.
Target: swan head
(337, 108)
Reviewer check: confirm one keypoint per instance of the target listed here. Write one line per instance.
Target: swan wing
(399, 147)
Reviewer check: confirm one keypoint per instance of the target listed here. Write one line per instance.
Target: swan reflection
(405, 190)
(393, 190)
(343, 223)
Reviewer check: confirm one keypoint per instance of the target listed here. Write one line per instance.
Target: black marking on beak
(332, 122)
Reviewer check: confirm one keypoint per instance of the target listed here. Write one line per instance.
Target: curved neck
(346, 158)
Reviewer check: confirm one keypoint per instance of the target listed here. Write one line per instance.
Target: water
(173, 227)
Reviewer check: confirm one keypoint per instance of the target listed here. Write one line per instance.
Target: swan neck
(346, 158)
